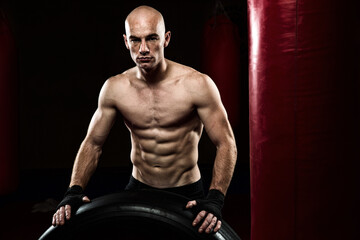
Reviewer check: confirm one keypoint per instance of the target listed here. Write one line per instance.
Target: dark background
(66, 51)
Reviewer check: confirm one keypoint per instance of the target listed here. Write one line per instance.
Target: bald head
(145, 15)
(146, 38)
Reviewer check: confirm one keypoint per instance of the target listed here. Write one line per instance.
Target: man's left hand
(209, 211)
(210, 221)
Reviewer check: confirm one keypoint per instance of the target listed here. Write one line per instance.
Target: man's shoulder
(120, 80)
(199, 85)
(116, 85)
(196, 80)
(190, 75)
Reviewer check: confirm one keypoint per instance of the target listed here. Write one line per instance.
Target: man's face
(146, 39)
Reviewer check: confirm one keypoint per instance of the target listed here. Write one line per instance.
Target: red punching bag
(304, 120)
(8, 110)
(221, 61)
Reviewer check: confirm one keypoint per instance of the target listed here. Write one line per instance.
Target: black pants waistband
(193, 191)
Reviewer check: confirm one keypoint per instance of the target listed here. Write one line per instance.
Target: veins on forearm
(224, 167)
(85, 164)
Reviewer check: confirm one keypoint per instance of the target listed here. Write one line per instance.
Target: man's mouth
(144, 59)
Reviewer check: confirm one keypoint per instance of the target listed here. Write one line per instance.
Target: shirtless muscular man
(165, 106)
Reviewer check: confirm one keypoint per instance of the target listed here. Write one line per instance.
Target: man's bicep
(215, 122)
(100, 125)
(213, 114)
(104, 116)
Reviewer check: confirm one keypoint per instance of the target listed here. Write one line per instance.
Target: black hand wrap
(73, 197)
(213, 203)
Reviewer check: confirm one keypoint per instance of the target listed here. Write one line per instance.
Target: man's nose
(144, 49)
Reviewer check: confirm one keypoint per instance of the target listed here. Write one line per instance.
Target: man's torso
(164, 125)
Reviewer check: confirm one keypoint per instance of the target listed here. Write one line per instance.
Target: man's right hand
(73, 199)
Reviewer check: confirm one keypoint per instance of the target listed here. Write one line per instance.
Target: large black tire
(145, 214)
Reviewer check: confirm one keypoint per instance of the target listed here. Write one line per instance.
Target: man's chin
(145, 66)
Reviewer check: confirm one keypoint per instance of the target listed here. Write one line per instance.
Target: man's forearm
(85, 163)
(224, 165)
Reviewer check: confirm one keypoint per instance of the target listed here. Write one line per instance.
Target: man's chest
(163, 106)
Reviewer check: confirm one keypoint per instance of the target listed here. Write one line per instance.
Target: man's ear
(167, 38)
(126, 42)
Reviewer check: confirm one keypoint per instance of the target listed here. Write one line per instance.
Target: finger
(67, 212)
(62, 215)
(218, 226)
(86, 199)
(53, 222)
(199, 217)
(209, 229)
(206, 222)
(190, 204)
(57, 218)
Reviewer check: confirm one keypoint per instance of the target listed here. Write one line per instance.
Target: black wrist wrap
(73, 197)
(213, 203)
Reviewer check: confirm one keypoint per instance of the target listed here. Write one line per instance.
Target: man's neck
(154, 75)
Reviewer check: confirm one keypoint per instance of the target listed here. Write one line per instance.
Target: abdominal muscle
(165, 158)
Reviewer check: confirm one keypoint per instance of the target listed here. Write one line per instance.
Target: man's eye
(153, 38)
(135, 40)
